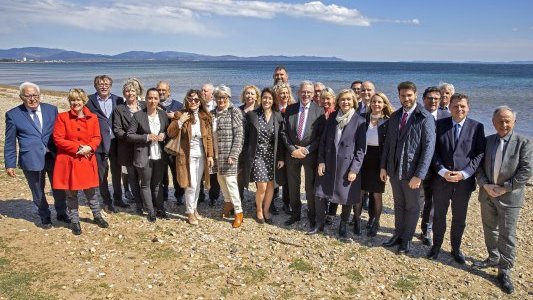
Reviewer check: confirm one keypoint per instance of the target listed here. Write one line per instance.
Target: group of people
(349, 144)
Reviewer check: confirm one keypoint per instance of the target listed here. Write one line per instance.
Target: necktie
(301, 121)
(403, 122)
(456, 132)
(498, 161)
(35, 118)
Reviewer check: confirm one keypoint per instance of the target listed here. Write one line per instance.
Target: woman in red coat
(77, 135)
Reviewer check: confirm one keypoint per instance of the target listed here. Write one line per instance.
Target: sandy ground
(135, 259)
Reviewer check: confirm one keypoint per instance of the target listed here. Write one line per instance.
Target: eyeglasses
(193, 100)
(432, 98)
(34, 96)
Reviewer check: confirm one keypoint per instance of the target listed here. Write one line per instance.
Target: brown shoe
(238, 220)
(191, 219)
(197, 215)
(227, 209)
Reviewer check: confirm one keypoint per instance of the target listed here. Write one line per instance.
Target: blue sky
(368, 30)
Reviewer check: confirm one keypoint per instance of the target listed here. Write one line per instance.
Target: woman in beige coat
(195, 153)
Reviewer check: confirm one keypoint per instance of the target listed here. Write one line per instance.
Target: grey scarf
(344, 118)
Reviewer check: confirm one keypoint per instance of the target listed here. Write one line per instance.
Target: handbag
(173, 146)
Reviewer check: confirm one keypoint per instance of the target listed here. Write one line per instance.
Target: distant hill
(47, 54)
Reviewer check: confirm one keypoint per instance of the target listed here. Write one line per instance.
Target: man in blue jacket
(31, 125)
(406, 158)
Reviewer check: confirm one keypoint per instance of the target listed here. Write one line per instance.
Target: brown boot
(227, 209)
(238, 220)
(191, 219)
(197, 215)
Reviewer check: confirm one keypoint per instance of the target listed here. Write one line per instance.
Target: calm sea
(487, 85)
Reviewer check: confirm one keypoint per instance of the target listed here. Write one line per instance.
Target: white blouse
(155, 126)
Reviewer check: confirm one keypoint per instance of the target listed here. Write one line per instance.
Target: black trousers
(426, 225)
(108, 162)
(214, 191)
(178, 191)
(321, 205)
(458, 194)
(294, 179)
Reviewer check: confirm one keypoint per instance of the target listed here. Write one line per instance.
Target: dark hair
(356, 82)
(459, 97)
(151, 90)
(406, 85)
(275, 106)
(102, 78)
(200, 95)
(280, 67)
(431, 89)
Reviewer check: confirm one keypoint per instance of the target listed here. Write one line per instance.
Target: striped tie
(301, 121)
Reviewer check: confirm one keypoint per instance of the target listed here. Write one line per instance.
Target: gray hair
(135, 84)
(210, 85)
(320, 84)
(28, 84)
(306, 82)
(221, 89)
(327, 90)
(503, 108)
(448, 86)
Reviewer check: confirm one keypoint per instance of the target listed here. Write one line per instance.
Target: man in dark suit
(458, 152)
(431, 104)
(406, 159)
(102, 103)
(505, 170)
(301, 136)
(31, 125)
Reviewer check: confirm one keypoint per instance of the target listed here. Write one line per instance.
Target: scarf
(328, 111)
(344, 118)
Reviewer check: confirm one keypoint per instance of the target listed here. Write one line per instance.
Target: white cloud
(179, 16)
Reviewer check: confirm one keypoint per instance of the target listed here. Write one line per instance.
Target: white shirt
(155, 126)
(39, 114)
(372, 138)
(409, 113)
(196, 149)
(444, 170)
(305, 119)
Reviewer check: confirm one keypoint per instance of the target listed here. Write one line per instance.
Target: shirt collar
(100, 99)
(37, 110)
(410, 111)
(460, 123)
(306, 106)
(505, 138)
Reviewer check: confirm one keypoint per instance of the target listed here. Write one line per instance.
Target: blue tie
(35, 118)
(457, 131)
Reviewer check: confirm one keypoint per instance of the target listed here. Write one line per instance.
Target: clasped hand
(156, 137)
(453, 176)
(299, 152)
(494, 190)
(84, 150)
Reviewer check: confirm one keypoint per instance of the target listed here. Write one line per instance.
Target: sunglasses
(193, 100)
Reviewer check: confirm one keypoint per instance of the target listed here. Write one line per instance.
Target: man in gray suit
(406, 158)
(502, 176)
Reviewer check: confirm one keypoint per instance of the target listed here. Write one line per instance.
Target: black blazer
(106, 124)
(312, 131)
(138, 132)
(121, 122)
(251, 135)
(382, 130)
(466, 155)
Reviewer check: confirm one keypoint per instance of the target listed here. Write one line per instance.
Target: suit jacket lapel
(26, 113)
(310, 112)
(466, 126)
(509, 150)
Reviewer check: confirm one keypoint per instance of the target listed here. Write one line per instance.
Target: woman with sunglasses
(195, 153)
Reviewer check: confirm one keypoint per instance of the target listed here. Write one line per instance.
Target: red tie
(300, 130)
(404, 120)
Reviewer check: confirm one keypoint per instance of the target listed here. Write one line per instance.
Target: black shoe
(163, 215)
(357, 226)
(433, 253)
(76, 228)
(428, 241)
(63, 218)
(370, 223)
(343, 232)
(312, 224)
(292, 220)
(274, 210)
(139, 210)
(101, 222)
(151, 218)
(329, 220)
(487, 263)
(404, 247)
(121, 203)
(394, 240)
(110, 209)
(505, 283)
(458, 257)
(269, 221)
(260, 221)
(374, 229)
(129, 195)
(316, 230)
(287, 209)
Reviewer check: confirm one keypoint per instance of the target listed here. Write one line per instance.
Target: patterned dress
(263, 165)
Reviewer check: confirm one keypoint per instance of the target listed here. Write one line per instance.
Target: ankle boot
(191, 219)
(374, 229)
(238, 220)
(76, 228)
(228, 206)
(342, 229)
(357, 226)
(197, 215)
